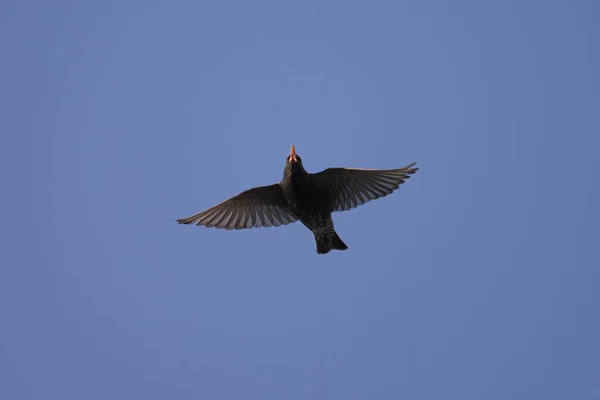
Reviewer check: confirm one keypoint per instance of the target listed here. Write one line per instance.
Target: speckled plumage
(305, 197)
(323, 229)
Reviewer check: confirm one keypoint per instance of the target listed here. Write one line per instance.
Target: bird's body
(308, 198)
(310, 204)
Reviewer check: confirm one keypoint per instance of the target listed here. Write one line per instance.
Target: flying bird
(305, 197)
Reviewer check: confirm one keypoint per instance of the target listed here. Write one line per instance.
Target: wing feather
(351, 187)
(262, 206)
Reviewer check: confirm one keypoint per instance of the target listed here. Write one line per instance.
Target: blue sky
(476, 280)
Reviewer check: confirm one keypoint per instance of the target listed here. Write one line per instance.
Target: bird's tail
(327, 243)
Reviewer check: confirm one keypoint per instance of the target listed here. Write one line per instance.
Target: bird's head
(293, 159)
(293, 162)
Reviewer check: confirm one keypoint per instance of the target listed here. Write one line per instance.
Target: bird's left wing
(350, 187)
(261, 206)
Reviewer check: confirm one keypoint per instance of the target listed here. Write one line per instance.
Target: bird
(310, 198)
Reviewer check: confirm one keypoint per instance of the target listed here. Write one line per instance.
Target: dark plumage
(308, 198)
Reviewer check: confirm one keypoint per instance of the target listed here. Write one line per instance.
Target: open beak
(293, 154)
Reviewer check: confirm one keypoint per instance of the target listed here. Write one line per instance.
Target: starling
(305, 197)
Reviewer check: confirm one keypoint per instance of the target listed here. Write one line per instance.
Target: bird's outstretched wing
(349, 187)
(262, 206)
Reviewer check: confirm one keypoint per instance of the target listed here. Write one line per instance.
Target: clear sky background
(478, 279)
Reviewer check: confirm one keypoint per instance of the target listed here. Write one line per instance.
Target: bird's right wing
(350, 187)
(261, 206)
